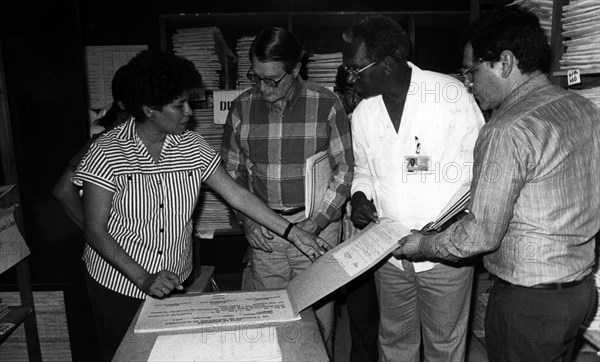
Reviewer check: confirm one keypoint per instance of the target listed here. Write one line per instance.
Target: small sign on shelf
(573, 77)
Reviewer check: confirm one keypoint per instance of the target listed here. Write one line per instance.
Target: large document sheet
(214, 310)
(345, 262)
(241, 309)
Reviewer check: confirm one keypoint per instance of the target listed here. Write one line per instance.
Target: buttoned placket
(161, 221)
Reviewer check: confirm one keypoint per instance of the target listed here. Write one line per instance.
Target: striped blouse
(152, 204)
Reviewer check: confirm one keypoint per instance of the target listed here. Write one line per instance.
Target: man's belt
(547, 286)
(292, 211)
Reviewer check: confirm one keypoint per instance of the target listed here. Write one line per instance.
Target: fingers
(266, 233)
(259, 243)
(164, 283)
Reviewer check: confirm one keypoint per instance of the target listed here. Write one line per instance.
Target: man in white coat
(410, 114)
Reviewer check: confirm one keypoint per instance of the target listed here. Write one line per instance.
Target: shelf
(16, 316)
(563, 73)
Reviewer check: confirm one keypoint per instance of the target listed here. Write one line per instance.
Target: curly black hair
(382, 36)
(155, 79)
(510, 28)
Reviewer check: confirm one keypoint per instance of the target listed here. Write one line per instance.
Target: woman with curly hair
(141, 181)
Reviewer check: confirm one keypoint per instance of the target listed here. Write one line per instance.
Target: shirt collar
(128, 132)
(290, 98)
(532, 85)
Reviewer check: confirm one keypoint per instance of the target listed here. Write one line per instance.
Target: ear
(508, 63)
(296, 70)
(388, 64)
(148, 112)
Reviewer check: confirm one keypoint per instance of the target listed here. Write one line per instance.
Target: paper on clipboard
(317, 176)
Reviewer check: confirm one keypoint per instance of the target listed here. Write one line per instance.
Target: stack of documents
(581, 30)
(242, 49)
(202, 123)
(456, 205)
(198, 45)
(322, 68)
(543, 10)
(212, 212)
(249, 344)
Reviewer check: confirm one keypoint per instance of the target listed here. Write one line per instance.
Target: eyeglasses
(268, 81)
(353, 73)
(467, 73)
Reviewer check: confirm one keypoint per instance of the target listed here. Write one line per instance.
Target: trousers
(526, 324)
(433, 304)
(275, 270)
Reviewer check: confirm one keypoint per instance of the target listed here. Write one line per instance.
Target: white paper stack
(242, 49)
(202, 122)
(581, 30)
(251, 344)
(198, 45)
(543, 10)
(212, 212)
(322, 68)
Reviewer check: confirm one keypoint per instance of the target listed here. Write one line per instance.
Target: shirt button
(160, 252)
(162, 230)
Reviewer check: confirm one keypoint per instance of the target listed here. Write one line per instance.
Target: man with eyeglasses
(271, 129)
(410, 114)
(535, 195)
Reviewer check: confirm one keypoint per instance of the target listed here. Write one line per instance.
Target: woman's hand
(159, 284)
(309, 244)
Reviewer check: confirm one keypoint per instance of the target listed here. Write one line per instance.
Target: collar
(128, 132)
(533, 84)
(290, 98)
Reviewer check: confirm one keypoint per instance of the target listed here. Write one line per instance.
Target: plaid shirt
(265, 146)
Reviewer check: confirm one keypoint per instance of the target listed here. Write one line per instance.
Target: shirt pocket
(138, 196)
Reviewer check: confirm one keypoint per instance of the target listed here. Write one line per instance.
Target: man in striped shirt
(535, 194)
(270, 131)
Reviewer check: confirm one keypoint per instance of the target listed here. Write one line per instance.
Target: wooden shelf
(16, 316)
(563, 73)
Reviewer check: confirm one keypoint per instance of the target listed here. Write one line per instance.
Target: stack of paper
(322, 68)
(249, 344)
(215, 311)
(457, 204)
(581, 29)
(202, 123)
(198, 45)
(243, 49)
(543, 10)
(211, 213)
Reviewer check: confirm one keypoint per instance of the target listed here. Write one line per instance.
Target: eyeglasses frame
(353, 74)
(256, 79)
(467, 72)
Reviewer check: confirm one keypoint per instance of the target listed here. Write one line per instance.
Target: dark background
(42, 45)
